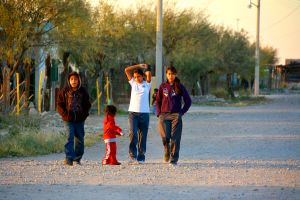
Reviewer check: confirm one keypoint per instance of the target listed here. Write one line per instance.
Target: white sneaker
(141, 162)
(132, 161)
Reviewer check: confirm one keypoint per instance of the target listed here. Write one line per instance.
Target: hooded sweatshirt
(168, 101)
(111, 130)
(73, 105)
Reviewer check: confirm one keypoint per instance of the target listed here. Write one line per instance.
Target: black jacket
(73, 106)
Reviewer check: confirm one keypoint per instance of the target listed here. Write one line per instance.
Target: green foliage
(22, 136)
(244, 93)
(20, 123)
(110, 37)
(220, 93)
(91, 139)
(31, 143)
(237, 102)
(37, 143)
(247, 101)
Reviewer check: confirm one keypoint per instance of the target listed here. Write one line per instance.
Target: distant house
(278, 76)
(291, 70)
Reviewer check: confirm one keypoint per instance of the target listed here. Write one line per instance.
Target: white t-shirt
(139, 99)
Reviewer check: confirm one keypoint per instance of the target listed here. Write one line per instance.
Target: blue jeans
(154, 109)
(170, 129)
(75, 133)
(138, 130)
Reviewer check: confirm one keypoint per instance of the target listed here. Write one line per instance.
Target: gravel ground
(226, 153)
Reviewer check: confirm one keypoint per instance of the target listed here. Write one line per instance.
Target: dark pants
(74, 148)
(138, 130)
(170, 129)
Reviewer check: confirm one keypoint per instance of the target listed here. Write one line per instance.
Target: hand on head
(144, 66)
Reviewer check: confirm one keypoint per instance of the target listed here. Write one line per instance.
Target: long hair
(176, 81)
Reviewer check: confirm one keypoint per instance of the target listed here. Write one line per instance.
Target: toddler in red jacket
(111, 130)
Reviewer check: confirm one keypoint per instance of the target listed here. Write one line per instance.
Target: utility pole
(256, 79)
(237, 24)
(158, 64)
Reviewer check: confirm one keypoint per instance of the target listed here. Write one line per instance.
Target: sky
(279, 20)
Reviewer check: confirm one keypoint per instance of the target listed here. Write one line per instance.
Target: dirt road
(226, 153)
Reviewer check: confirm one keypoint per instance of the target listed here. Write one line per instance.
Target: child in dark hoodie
(73, 105)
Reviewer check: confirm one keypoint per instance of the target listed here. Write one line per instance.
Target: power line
(283, 18)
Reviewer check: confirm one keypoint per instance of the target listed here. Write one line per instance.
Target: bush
(37, 143)
(220, 93)
(25, 138)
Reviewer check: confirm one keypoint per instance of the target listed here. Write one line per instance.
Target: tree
(28, 25)
(24, 23)
(195, 55)
(233, 55)
(268, 58)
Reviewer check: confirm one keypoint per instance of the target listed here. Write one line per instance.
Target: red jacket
(110, 129)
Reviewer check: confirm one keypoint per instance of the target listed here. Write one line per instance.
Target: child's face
(74, 81)
(170, 76)
(138, 78)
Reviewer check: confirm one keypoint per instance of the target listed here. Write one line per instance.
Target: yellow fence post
(18, 94)
(107, 91)
(98, 96)
(39, 93)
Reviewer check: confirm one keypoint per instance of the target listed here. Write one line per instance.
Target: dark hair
(139, 71)
(110, 110)
(176, 81)
(73, 74)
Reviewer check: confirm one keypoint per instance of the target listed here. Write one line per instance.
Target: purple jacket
(168, 101)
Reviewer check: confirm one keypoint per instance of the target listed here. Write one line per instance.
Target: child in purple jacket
(169, 111)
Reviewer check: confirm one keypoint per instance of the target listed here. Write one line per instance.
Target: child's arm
(148, 74)
(113, 127)
(133, 67)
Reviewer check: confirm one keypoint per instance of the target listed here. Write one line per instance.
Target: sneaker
(166, 153)
(115, 163)
(105, 163)
(173, 163)
(141, 162)
(68, 162)
(166, 157)
(77, 162)
(132, 161)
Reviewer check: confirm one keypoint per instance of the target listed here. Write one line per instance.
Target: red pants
(110, 157)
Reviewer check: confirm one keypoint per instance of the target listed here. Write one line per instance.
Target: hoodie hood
(79, 79)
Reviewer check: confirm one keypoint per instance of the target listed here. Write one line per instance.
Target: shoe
(105, 162)
(173, 163)
(132, 161)
(166, 157)
(167, 153)
(115, 163)
(68, 162)
(141, 161)
(77, 162)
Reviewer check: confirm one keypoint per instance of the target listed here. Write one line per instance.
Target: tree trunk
(15, 66)
(270, 78)
(48, 83)
(229, 86)
(66, 71)
(6, 90)
(250, 86)
(27, 84)
(204, 84)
